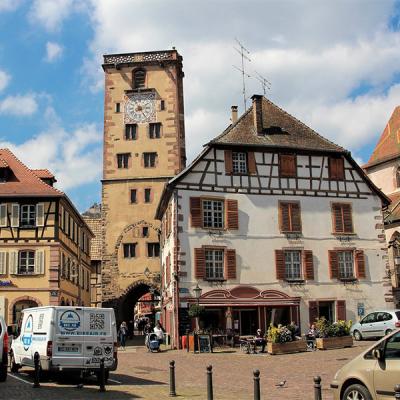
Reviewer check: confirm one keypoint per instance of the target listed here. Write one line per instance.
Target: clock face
(140, 108)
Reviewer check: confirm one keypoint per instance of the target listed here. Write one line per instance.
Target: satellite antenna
(265, 83)
(244, 56)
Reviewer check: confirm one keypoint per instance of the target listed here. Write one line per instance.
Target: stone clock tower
(144, 147)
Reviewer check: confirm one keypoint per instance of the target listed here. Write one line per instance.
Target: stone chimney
(257, 113)
(234, 116)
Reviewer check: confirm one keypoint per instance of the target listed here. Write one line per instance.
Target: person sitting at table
(259, 340)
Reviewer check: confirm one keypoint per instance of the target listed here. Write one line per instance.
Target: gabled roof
(279, 129)
(43, 173)
(23, 181)
(393, 212)
(388, 146)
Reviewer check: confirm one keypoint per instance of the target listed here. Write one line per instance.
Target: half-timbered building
(275, 224)
(44, 242)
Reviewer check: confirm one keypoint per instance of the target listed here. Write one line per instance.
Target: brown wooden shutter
(228, 162)
(347, 218)
(336, 168)
(287, 165)
(337, 218)
(199, 263)
(360, 264)
(333, 264)
(232, 214)
(196, 220)
(340, 310)
(295, 217)
(280, 264)
(251, 163)
(168, 269)
(308, 265)
(313, 311)
(230, 263)
(284, 217)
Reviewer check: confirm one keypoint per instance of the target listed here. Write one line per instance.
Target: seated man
(259, 340)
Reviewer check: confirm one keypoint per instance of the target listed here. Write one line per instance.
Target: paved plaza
(143, 375)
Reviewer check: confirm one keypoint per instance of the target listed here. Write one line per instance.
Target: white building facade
(275, 224)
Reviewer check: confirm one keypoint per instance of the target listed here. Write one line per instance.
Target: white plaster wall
(383, 176)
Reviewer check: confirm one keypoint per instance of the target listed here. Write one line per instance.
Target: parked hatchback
(373, 374)
(3, 350)
(376, 324)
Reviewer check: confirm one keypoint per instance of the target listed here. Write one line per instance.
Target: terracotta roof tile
(393, 213)
(3, 163)
(95, 225)
(43, 173)
(23, 181)
(388, 146)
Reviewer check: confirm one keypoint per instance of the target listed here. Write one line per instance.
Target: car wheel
(3, 372)
(388, 331)
(14, 367)
(356, 392)
(357, 335)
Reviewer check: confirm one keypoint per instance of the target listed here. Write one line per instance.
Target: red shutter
(280, 264)
(295, 217)
(196, 220)
(251, 163)
(347, 218)
(284, 217)
(340, 310)
(230, 261)
(313, 311)
(333, 265)
(337, 219)
(228, 162)
(199, 263)
(232, 214)
(360, 264)
(308, 265)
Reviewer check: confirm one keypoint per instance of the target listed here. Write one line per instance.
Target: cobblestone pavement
(143, 375)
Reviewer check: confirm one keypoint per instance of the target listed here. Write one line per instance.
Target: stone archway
(20, 299)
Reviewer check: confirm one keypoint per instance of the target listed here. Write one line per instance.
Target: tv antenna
(265, 83)
(244, 56)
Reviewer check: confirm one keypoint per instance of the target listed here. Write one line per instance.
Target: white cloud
(73, 156)
(19, 105)
(54, 52)
(4, 80)
(9, 5)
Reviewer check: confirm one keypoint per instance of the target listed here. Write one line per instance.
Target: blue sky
(334, 65)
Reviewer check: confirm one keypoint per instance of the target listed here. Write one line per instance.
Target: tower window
(153, 249)
(117, 107)
(145, 231)
(130, 131)
(139, 78)
(123, 160)
(129, 250)
(150, 160)
(155, 130)
(162, 105)
(133, 196)
(147, 195)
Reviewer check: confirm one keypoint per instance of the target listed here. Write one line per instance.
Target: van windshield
(397, 314)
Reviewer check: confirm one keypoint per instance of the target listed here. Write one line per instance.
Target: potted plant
(333, 335)
(195, 311)
(280, 341)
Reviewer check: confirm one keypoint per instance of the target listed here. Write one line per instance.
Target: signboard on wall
(2, 307)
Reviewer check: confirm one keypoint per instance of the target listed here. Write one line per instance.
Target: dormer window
(139, 78)
(4, 174)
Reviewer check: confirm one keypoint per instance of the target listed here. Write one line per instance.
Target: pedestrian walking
(123, 333)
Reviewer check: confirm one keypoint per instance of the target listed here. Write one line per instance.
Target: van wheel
(356, 392)
(357, 335)
(14, 367)
(3, 372)
(388, 331)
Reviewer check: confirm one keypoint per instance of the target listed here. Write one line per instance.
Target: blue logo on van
(27, 336)
(70, 321)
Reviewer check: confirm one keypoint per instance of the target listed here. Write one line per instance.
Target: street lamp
(197, 294)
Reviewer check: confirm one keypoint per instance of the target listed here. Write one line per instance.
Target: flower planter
(286, 348)
(334, 342)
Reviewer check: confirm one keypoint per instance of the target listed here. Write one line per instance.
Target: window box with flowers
(280, 341)
(333, 335)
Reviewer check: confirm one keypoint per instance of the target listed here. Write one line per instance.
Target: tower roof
(388, 146)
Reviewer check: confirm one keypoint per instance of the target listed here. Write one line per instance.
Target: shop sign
(360, 309)
(6, 283)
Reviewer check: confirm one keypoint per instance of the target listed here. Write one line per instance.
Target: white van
(66, 338)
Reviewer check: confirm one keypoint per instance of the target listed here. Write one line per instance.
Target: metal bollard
(36, 375)
(317, 388)
(257, 391)
(210, 393)
(102, 376)
(172, 391)
(397, 391)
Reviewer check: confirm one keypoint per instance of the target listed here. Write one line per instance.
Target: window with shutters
(153, 250)
(139, 79)
(123, 160)
(239, 162)
(345, 264)
(293, 266)
(289, 217)
(26, 262)
(129, 250)
(155, 130)
(342, 218)
(336, 168)
(130, 131)
(27, 216)
(287, 166)
(149, 160)
(214, 264)
(213, 214)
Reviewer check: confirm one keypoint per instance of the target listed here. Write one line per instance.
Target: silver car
(3, 350)
(376, 324)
